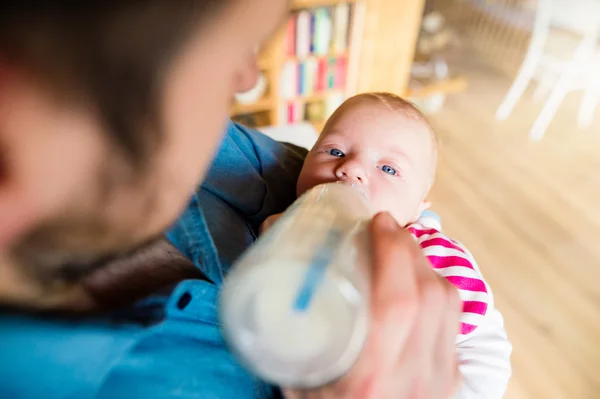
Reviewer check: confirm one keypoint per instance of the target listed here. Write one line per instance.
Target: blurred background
(511, 88)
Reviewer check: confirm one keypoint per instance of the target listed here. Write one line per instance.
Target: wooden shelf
(264, 104)
(317, 57)
(449, 85)
(320, 96)
(300, 4)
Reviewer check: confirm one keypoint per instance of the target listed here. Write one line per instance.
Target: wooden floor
(530, 213)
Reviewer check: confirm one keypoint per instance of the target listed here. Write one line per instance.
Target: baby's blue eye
(389, 170)
(335, 152)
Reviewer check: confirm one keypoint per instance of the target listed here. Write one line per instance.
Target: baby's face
(390, 156)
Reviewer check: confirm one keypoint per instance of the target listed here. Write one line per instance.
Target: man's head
(381, 143)
(109, 116)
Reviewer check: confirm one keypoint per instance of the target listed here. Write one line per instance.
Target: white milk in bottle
(295, 307)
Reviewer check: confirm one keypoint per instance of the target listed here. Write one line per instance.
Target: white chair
(556, 75)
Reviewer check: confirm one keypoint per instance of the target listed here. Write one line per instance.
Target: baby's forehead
(369, 121)
(381, 121)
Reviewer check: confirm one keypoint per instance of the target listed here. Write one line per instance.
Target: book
(303, 36)
(288, 80)
(341, 20)
(312, 32)
(341, 70)
(322, 70)
(290, 37)
(301, 79)
(331, 73)
(315, 111)
(310, 76)
(323, 26)
(290, 113)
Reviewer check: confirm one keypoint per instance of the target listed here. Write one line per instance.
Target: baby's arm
(484, 360)
(482, 346)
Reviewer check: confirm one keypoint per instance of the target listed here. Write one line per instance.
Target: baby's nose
(352, 172)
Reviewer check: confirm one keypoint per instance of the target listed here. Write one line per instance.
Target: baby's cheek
(392, 202)
(383, 201)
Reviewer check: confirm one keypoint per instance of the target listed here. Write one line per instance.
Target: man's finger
(446, 341)
(395, 295)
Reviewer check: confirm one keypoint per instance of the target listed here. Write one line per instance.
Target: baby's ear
(425, 204)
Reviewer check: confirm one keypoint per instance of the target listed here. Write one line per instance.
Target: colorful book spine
(331, 73)
(290, 42)
(289, 77)
(310, 76)
(312, 32)
(341, 21)
(301, 78)
(341, 70)
(300, 111)
(322, 38)
(317, 45)
(290, 113)
(303, 36)
(322, 70)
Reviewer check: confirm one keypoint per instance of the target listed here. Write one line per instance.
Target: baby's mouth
(356, 186)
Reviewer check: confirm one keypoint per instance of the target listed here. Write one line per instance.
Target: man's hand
(410, 352)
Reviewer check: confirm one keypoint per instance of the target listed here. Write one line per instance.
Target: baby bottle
(294, 308)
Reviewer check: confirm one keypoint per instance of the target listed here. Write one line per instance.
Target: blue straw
(316, 272)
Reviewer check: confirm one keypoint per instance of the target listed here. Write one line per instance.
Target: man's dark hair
(110, 56)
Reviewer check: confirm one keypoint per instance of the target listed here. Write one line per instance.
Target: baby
(384, 144)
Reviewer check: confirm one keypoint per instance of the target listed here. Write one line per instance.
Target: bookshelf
(381, 37)
(310, 66)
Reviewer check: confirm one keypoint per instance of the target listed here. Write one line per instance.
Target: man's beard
(61, 254)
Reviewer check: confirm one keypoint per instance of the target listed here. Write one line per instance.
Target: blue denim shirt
(183, 355)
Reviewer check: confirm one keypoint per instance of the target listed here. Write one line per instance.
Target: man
(109, 117)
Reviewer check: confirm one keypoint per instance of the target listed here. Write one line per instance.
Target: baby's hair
(398, 104)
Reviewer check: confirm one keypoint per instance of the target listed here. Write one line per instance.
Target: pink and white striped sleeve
(455, 263)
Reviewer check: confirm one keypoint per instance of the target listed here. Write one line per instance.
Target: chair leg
(550, 107)
(590, 101)
(544, 86)
(581, 54)
(518, 87)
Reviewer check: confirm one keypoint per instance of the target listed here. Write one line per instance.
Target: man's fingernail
(387, 222)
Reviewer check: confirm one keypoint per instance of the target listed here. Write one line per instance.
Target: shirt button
(184, 300)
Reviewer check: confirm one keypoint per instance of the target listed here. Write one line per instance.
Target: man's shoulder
(252, 177)
(258, 147)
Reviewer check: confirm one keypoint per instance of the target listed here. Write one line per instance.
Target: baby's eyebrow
(399, 152)
(330, 139)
